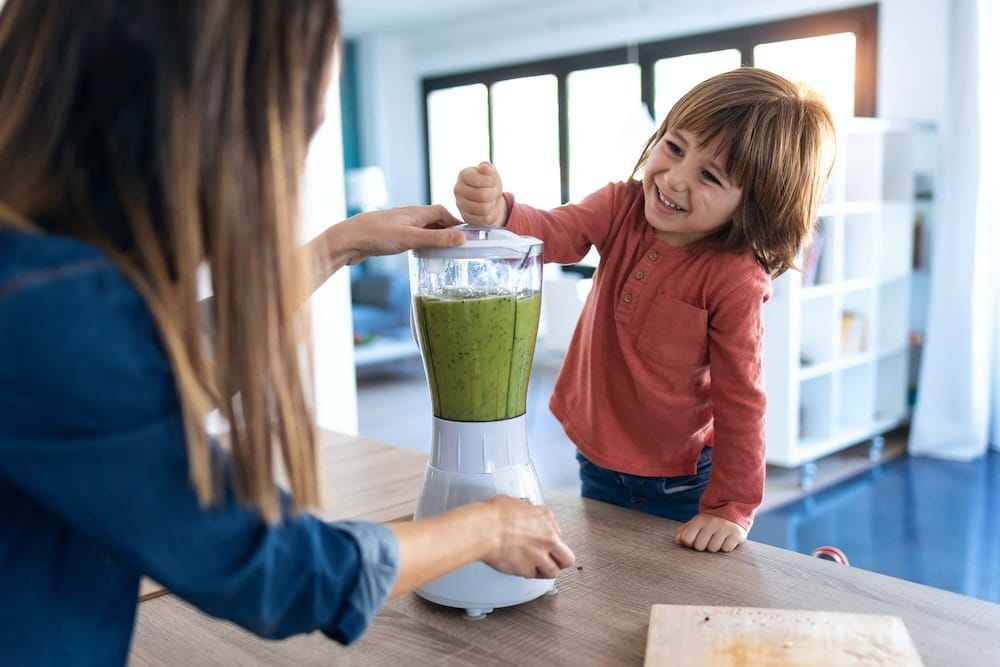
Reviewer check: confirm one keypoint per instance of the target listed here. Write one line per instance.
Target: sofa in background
(380, 303)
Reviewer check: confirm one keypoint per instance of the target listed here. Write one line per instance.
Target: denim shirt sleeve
(90, 429)
(380, 555)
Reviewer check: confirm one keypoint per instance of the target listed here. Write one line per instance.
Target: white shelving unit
(837, 339)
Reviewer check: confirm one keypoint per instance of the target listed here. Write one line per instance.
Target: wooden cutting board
(750, 636)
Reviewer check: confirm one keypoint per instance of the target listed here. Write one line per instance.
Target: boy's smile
(689, 195)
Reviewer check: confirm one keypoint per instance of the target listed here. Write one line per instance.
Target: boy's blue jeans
(669, 497)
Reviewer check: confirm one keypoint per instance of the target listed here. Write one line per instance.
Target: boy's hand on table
(707, 532)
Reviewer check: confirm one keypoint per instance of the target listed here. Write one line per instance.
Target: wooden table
(626, 562)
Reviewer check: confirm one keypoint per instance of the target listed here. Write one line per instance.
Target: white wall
(333, 347)
(911, 59)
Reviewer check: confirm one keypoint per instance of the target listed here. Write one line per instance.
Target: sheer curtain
(957, 415)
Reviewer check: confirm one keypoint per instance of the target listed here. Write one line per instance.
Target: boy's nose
(677, 179)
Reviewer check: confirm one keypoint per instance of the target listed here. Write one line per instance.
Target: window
(672, 77)
(455, 138)
(525, 129)
(598, 104)
(825, 62)
(558, 129)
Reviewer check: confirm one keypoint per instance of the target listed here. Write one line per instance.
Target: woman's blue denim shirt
(94, 487)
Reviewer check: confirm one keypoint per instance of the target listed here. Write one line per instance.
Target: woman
(140, 141)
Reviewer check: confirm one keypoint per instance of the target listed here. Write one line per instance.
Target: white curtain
(957, 415)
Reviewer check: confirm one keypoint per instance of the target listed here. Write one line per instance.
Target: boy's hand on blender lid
(479, 196)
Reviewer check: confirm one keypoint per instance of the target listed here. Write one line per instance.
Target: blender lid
(483, 242)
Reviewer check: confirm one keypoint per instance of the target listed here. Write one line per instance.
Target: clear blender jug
(475, 314)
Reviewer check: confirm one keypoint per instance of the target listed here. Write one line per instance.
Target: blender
(475, 311)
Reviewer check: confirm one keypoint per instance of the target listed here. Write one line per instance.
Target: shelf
(860, 206)
(849, 361)
(837, 353)
(857, 285)
(812, 448)
(849, 437)
(819, 291)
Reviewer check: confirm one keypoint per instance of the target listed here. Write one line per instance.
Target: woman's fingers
(434, 214)
(563, 556)
(530, 544)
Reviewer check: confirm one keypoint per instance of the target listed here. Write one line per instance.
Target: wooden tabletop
(366, 479)
(626, 562)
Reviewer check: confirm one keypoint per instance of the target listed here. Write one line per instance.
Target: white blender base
(472, 461)
(479, 589)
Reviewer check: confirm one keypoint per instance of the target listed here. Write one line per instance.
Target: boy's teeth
(668, 204)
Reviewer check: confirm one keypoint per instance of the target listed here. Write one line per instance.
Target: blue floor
(924, 520)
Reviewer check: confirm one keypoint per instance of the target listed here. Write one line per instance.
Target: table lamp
(365, 189)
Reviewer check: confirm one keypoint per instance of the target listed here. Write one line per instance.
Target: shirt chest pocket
(674, 333)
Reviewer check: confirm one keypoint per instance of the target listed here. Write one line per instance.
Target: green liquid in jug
(477, 353)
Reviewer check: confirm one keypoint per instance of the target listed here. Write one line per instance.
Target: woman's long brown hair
(173, 135)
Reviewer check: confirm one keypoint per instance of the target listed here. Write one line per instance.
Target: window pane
(526, 138)
(457, 126)
(602, 108)
(672, 77)
(825, 63)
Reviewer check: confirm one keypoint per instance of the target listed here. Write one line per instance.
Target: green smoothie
(477, 353)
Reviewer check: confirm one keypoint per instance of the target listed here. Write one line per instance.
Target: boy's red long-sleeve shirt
(666, 357)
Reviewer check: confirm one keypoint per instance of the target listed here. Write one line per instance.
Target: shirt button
(627, 298)
(639, 275)
(653, 255)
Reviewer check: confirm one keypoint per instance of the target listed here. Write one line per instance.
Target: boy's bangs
(721, 131)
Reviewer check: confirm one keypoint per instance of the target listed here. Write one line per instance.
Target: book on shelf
(810, 267)
(852, 332)
(918, 241)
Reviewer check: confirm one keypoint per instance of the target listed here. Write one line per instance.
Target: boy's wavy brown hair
(777, 140)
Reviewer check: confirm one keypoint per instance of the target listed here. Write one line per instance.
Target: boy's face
(688, 193)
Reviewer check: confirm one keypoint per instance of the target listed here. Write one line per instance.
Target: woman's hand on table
(707, 532)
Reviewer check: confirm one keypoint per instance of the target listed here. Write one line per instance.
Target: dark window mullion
(427, 142)
(563, 104)
(589, 60)
(865, 60)
(646, 88)
(489, 120)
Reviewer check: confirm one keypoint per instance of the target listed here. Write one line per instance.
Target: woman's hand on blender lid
(391, 231)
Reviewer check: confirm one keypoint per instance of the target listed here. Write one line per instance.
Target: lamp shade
(365, 188)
